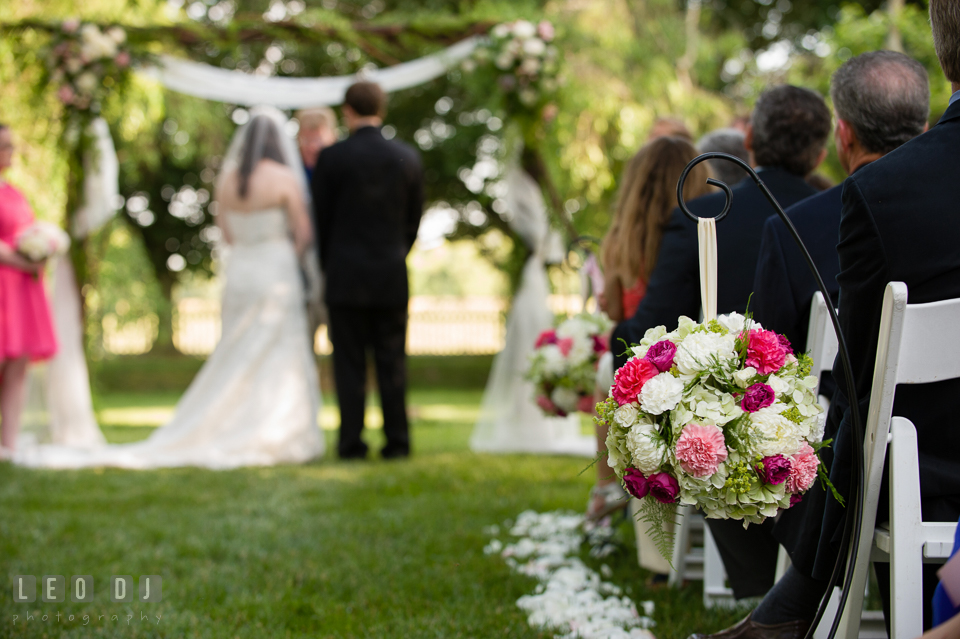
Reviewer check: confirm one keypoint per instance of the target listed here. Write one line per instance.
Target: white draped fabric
(510, 421)
(236, 87)
(59, 407)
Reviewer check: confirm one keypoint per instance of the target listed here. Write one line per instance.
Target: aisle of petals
(571, 599)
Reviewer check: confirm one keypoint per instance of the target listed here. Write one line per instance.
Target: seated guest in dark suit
(368, 199)
(898, 223)
(787, 140)
(882, 100)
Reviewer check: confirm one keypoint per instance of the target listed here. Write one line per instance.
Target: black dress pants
(749, 555)
(354, 331)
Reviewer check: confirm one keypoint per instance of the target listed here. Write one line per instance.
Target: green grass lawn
(328, 549)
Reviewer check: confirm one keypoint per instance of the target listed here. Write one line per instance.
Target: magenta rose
(546, 337)
(700, 450)
(663, 487)
(661, 355)
(630, 379)
(774, 470)
(803, 469)
(764, 352)
(637, 485)
(546, 405)
(757, 396)
(586, 404)
(795, 499)
(600, 344)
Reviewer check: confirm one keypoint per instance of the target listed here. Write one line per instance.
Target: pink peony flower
(630, 379)
(757, 396)
(701, 449)
(66, 94)
(600, 344)
(546, 337)
(586, 404)
(803, 471)
(664, 487)
(565, 345)
(546, 405)
(661, 355)
(764, 352)
(637, 485)
(774, 470)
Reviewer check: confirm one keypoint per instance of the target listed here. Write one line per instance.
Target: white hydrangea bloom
(773, 433)
(645, 447)
(661, 394)
(626, 415)
(581, 351)
(698, 350)
(565, 398)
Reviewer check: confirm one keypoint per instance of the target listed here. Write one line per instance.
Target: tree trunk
(532, 162)
(163, 345)
(894, 41)
(689, 58)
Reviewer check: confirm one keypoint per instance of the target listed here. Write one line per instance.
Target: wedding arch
(84, 62)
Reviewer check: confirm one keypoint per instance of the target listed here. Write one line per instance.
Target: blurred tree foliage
(621, 64)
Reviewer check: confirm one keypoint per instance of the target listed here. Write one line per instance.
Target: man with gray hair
(729, 141)
(881, 100)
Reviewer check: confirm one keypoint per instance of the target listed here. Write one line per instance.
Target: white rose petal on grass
(698, 351)
(626, 415)
(645, 447)
(661, 394)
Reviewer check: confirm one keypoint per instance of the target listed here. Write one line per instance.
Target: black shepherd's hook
(854, 514)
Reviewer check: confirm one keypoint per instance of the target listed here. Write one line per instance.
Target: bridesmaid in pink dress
(26, 330)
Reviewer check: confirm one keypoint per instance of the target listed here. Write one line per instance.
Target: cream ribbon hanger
(707, 239)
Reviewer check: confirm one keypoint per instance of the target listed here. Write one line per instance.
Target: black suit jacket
(367, 200)
(674, 286)
(899, 222)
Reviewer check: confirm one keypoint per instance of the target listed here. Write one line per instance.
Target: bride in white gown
(256, 399)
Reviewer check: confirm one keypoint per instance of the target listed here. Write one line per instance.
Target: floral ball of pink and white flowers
(563, 365)
(721, 415)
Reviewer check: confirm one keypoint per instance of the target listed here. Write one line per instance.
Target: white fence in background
(437, 326)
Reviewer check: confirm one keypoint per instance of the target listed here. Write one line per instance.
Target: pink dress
(26, 329)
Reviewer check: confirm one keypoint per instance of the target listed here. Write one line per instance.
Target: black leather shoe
(749, 629)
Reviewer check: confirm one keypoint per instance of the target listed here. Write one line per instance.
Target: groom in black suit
(368, 199)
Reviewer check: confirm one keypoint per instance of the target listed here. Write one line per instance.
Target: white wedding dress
(255, 401)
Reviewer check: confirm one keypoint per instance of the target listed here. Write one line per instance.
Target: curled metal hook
(851, 532)
(717, 183)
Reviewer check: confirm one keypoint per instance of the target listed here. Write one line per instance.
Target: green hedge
(174, 373)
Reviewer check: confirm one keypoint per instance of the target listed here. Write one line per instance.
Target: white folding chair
(696, 557)
(918, 344)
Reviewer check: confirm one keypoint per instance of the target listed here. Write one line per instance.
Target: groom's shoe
(749, 629)
(394, 453)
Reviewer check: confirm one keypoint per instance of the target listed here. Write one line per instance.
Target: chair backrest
(822, 341)
(917, 344)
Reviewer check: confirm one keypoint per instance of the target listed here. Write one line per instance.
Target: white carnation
(773, 433)
(565, 398)
(645, 447)
(534, 47)
(697, 351)
(733, 322)
(524, 29)
(661, 394)
(626, 415)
